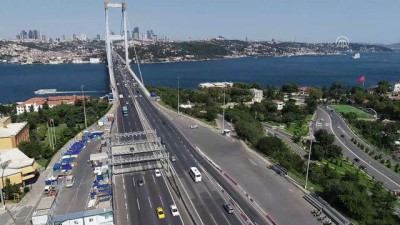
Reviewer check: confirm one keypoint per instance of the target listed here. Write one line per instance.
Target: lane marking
(150, 202)
(213, 219)
(162, 203)
(138, 205)
(153, 178)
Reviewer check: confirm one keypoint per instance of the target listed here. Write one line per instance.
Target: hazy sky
(288, 20)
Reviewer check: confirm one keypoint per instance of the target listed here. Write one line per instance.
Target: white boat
(357, 56)
(45, 91)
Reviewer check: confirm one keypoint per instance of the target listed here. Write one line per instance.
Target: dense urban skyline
(308, 21)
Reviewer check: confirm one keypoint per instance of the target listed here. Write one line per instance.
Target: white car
(194, 126)
(174, 210)
(157, 172)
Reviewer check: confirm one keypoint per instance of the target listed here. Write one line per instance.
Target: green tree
(289, 87)
(324, 138)
(270, 145)
(10, 189)
(383, 87)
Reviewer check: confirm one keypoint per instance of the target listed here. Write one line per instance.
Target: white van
(47, 189)
(69, 181)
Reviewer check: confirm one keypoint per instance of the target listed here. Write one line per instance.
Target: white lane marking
(138, 205)
(144, 180)
(357, 155)
(184, 157)
(133, 181)
(170, 194)
(153, 178)
(213, 219)
(162, 203)
(252, 162)
(150, 202)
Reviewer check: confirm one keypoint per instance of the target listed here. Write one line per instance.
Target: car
(357, 159)
(157, 172)
(342, 135)
(173, 158)
(174, 210)
(194, 126)
(129, 96)
(163, 122)
(137, 91)
(321, 119)
(160, 213)
(127, 103)
(140, 183)
(228, 208)
(363, 167)
(140, 96)
(162, 142)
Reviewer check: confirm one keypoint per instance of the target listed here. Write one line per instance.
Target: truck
(69, 181)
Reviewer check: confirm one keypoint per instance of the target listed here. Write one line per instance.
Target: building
(44, 38)
(150, 34)
(98, 37)
(18, 37)
(103, 216)
(11, 134)
(20, 169)
(51, 101)
(396, 88)
(135, 33)
(30, 34)
(36, 34)
(304, 91)
(279, 104)
(74, 37)
(94, 60)
(258, 95)
(216, 85)
(63, 38)
(24, 35)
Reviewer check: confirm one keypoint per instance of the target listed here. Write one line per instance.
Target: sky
(366, 21)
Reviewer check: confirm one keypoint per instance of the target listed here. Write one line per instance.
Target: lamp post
(309, 153)
(178, 95)
(84, 107)
(3, 166)
(223, 115)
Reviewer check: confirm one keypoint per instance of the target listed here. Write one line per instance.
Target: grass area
(57, 129)
(343, 166)
(300, 129)
(300, 179)
(348, 108)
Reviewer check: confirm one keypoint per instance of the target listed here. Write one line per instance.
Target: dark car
(342, 136)
(228, 208)
(363, 167)
(140, 183)
(357, 159)
(163, 122)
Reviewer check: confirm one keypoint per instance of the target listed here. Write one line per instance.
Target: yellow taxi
(160, 213)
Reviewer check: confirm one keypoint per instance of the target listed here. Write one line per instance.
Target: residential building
(150, 34)
(279, 104)
(20, 170)
(258, 95)
(11, 134)
(303, 91)
(52, 101)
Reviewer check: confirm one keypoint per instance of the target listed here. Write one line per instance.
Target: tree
(256, 86)
(333, 151)
(315, 93)
(211, 114)
(311, 105)
(10, 189)
(317, 152)
(270, 145)
(45, 106)
(31, 108)
(324, 138)
(289, 87)
(336, 90)
(383, 87)
(31, 149)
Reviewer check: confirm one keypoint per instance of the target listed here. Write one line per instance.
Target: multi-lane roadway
(332, 121)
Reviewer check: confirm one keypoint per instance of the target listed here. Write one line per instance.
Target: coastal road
(274, 194)
(333, 123)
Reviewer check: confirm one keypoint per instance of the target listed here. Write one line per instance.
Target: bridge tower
(109, 38)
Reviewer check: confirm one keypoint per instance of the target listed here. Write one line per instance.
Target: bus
(195, 174)
(124, 110)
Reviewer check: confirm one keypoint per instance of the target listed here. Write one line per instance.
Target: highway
(206, 196)
(137, 204)
(333, 123)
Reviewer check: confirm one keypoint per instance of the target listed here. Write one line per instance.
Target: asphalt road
(204, 192)
(274, 194)
(134, 204)
(334, 124)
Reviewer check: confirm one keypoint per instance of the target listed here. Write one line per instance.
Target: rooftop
(17, 157)
(11, 129)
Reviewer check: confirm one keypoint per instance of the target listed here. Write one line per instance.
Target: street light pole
(84, 107)
(3, 166)
(178, 95)
(309, 156)
(223, 114)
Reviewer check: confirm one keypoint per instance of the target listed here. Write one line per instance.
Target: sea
(18, 82)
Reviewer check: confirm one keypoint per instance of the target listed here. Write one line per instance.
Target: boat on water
(45, 91)
(357, 56)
